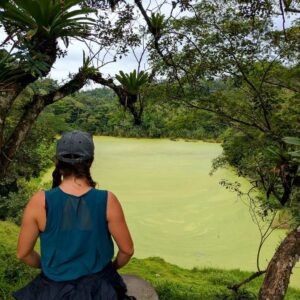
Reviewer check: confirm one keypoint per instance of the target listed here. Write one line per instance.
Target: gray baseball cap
(75, 146)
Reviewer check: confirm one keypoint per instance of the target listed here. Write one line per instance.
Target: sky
(73, 61)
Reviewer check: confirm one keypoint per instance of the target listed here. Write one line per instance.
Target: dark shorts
(105, 285)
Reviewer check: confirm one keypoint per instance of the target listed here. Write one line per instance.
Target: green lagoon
(174, 209)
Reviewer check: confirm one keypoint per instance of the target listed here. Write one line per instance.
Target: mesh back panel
(76, 214)
(76, 241)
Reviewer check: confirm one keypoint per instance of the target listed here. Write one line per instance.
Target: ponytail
(79, 170)
(90, 179)
(56, 177)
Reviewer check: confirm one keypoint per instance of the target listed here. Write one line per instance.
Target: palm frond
(49, 18)
(133, 81)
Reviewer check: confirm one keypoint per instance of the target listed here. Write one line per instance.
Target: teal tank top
(76, 240)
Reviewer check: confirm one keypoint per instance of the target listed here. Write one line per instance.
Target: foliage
(9, 70)
(98, 112)
(13, 273)
(38, 149)
(233, 63)
(119, 32)
(51, 19)
(133, 81)
(157, 22)
(31, 21)
(12, 205)
(230, 59)
(32, 159)
(293, 141)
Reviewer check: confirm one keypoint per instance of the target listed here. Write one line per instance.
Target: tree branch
(288, 8)
(224, 115)
(280, 84)
(168, 60)
(48, 48)
(39, 102)
(235, 287)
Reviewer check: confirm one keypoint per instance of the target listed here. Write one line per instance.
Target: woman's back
(76, 240)
(76, 223)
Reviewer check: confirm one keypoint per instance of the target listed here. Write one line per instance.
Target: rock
(139, 288)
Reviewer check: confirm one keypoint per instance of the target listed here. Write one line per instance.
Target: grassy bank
(170, 281)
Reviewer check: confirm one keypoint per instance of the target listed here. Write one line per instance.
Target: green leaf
(49, 17)
(292, 140)
(295, 153)
(30, 33)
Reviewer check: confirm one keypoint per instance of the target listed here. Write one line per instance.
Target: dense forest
(97, 111)
(225, 71)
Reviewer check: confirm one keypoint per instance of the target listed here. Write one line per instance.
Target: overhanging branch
(39, 102)
(235, 287)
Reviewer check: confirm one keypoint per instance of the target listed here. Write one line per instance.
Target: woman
(75, 223)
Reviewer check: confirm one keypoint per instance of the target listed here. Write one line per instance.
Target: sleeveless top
(76, 240)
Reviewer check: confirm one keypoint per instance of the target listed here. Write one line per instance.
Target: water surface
(174, 209)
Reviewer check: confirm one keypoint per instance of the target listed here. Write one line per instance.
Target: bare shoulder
(112, 198)
(37, 199)
(112, 201)
(113, 205)
(35, 207)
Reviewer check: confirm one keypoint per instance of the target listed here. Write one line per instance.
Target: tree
(33, 28)
(226, 57)
(132, 84)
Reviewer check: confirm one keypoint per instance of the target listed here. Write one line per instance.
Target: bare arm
(29, 232)
(119, 231)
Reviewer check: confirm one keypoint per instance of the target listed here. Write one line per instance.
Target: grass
(170, 281)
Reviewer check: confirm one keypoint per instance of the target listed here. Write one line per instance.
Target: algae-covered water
(174, 209)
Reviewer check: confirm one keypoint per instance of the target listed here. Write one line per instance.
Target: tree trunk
(279, 270)
(137, 116)
(7, 99)
(47, 47)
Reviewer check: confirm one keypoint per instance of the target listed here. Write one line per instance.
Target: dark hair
(78, 169)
